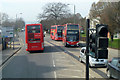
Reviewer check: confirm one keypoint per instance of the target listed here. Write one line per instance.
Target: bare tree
(3, 17)
(8, 23)
(111, 16)
(109, 13)
(54, 11)
(68, 19)
(19, 23)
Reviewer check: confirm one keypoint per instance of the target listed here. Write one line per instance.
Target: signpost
(7, 32)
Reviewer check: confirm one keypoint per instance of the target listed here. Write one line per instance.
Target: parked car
(93, 62)
(113, 68)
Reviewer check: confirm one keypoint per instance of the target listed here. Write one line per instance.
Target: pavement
(9, 52)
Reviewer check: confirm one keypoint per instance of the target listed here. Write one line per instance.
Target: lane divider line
(55, 74)
(53, 63)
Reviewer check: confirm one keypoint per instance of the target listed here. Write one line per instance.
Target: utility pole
(74, 13)
(1, 19)
(14, 31)
(74, 10)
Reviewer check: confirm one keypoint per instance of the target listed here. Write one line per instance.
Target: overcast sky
(31, 8)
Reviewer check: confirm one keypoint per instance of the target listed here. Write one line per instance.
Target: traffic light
(101, 41)
(93, 42)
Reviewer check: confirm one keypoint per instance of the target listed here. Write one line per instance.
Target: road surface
(56, 61)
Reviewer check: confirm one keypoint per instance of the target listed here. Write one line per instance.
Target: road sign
(7, 31)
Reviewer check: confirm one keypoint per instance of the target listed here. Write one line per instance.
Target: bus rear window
(33, 29)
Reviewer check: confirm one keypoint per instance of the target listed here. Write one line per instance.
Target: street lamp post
(14, 31)
(1, 19)
(74, 11)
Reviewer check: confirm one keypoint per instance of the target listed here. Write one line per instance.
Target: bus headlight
(77, 43)
(67, 43)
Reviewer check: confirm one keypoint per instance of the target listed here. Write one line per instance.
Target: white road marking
(74, 70)
(70, 76)
(62, 60)
(91, 76)
(54, 67)
(55, 74)
(53, 63)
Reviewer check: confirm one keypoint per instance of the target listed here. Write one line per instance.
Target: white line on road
(54, 67)
(53, 63)
(74, 70)
(55, 74)
(69, 76)
(62, 60)
(91, 76)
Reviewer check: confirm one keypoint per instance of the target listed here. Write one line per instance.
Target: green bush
(83, 35)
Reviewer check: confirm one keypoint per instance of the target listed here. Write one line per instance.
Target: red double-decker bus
(71, 35)
(34, 37)
(56, 32)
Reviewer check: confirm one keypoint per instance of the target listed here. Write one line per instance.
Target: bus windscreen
(72, 35)
(60, 27)
(72, 27)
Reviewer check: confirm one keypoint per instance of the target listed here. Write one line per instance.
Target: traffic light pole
(96, 48)
(87, 49)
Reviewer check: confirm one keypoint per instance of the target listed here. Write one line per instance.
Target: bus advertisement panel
(34, 37)
(71, 35)
(56, 32)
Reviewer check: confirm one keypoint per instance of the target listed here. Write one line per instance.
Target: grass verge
(114, 44)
